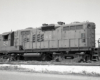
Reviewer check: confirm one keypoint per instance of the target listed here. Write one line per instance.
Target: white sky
(20, 14)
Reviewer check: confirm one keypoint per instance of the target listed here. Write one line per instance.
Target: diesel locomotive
(51, 41)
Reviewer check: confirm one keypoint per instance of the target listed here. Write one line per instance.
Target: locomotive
(51, 41)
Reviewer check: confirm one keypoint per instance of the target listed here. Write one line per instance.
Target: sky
(20, 14)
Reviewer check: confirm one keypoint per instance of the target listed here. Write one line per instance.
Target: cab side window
(5, 37)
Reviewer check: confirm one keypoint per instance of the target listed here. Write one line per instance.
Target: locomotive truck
(51, 41)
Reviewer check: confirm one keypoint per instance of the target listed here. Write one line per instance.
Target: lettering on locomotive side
(38, 38)
(26, 39)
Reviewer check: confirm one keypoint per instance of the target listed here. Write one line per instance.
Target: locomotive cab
(7, 41)
(8, 38)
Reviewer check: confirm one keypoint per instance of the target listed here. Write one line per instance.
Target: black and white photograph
(49, 39)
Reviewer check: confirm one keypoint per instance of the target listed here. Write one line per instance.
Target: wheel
(1, 58)
(6, 58)
(12, 58)
(57, 58)
(43, 57)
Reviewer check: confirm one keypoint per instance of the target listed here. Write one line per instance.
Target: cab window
(5, 37)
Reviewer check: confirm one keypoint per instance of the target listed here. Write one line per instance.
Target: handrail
(87, 41)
